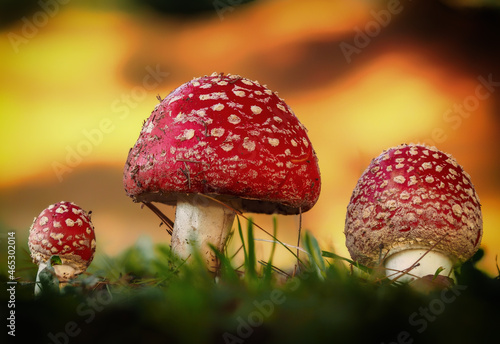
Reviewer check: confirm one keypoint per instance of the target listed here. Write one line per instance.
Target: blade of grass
(438, 271)
(288, 245)
(240, 232)
(363, 268)
(250, 271)
(274, 268)
(298, 241)
(312, 247)
(225, 268)
(268, 269)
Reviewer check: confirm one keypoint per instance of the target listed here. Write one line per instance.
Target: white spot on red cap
(427, 165)
(457, 210)
(227, 146)
(213, 96)
(273, 142)
(43, 220)
(57, 236)
(233, 119)
(399, 179)
(391, 205)
(187, 134)
(256, 109)
(217, 132)
(149, 127)
(412, 181)
(248, 144)
(62, 209)
(217, 107)
(404, 195)
(281, 107)
(239, 93)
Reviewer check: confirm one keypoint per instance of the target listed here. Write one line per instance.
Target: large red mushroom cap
(413, 197)
(228, 137)
(63, 229)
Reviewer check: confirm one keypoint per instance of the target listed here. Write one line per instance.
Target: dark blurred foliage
(190, 7)
(186, 306)
(12, 11)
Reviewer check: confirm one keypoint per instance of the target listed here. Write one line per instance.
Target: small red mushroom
(230, 138)
(65, 230)
(410, 201)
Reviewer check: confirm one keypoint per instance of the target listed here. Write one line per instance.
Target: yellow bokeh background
(75, 91)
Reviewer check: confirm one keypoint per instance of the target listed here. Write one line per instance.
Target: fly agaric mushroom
(232, 139)
(411, 201)
(64, 230)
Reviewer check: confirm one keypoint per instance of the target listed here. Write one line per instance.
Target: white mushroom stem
(38, 285)
(428, 265)
(63, 273)
(200, 221)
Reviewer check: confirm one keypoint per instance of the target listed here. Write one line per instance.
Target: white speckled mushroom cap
(411, 197)
(228, 137)
(63, 229)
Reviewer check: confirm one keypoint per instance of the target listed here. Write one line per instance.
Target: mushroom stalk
(200, 221)
(38, 280)
(64, 274)
(53, 277)
(399, 265)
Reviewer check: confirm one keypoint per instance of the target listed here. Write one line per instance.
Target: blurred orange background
(80, 77)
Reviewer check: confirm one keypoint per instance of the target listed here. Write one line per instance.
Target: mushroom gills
(200, 221)
(397, 264)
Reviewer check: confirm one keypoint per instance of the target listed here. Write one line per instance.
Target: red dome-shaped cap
(229, 137)
(65, 230)
(410, 197)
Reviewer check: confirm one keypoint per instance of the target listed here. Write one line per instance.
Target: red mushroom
(64, 230)
(413, 200)
(232, 139)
